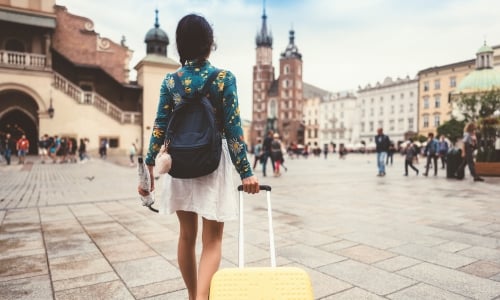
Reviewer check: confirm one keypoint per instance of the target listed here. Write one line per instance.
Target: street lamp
(51, 109)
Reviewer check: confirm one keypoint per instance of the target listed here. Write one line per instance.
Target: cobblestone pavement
(78, 231)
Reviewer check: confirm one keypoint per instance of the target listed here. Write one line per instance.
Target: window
(411, 94)
(381, 111)
(371, 126)
(401, 108)
(402, 96)
(437, 120)
(437, 101)
(437, 84)
(372, 100)
(392, 97)
(426, 121)
(380, 124)
(371, 112)
(381, 99)
(426, 102)
(401, 124)
(113, 142)
(391, 125)
(426, 86)
(287, 69)
(392, 109)
(410, 109)
(362, 126)
(410, 123)
(453, 81)
(362, 112)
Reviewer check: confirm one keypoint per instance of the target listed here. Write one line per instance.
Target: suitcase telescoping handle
(241, 239)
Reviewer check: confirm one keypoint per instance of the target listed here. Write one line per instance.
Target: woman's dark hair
(194, 38)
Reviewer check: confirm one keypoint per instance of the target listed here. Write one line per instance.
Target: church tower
(290, 89)
(263, 78)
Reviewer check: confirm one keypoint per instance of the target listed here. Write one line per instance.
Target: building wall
(337, 119)
(391, 105)
(46, 6)
(435, 84)
(70, 117)
(311, 117)
(76, 39)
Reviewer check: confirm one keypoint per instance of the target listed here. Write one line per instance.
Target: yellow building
(434, 87)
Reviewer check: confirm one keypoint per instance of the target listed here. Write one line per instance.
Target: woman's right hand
(250, 184)
(152, 179)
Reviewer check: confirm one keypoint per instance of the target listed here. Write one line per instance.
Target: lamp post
(51, 110)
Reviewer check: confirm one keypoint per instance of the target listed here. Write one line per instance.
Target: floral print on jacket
(193, 76)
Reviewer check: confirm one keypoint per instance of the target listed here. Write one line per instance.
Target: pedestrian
(410, 152)
(469, 143)
(82, 150)
(325, 150)
(103, 148)
(22, 147)
(257, 153)
(213, 196)
(443, 150)
(9, 146)
(382, 143)
(277, 154)
(132, 152)
(390, 154)
(266, 146)
(43, 147)
(431, 151)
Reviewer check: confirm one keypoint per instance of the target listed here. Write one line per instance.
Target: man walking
(266, 146)
(9, 146)
(382, 143)
(431, 151)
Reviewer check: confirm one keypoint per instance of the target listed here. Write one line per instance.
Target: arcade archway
(18, 116)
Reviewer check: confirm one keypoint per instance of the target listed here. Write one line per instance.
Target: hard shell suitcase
(255, 283)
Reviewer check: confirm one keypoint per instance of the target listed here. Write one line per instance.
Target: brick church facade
(277, 103)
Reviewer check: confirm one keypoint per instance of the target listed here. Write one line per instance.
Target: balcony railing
(91, 98)
(22, 59)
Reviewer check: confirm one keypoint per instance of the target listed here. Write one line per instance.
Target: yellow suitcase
(260, 283)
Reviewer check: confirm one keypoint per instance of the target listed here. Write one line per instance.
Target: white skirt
(212, 196)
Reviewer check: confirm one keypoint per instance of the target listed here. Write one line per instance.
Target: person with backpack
(199, 89)
(443, 150)
(410, 153)
(431, 151)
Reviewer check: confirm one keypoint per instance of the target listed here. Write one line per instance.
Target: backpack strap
(178, 85)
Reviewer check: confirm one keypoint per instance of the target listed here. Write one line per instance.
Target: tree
(452, 129)
(478, 105)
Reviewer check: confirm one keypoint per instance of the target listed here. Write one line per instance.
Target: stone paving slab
(65, 236)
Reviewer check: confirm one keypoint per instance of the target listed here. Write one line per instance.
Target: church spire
(291, 50)
(264, 38)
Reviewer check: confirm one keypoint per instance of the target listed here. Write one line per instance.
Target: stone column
(48, 54)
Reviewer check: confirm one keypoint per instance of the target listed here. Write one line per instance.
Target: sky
(344, 44)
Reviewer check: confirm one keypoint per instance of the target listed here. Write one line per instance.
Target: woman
(277, 154)
(469, 144)
(211, 196)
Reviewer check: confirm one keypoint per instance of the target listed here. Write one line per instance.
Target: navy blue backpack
(193, 137)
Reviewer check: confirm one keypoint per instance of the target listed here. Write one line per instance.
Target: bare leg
(210, 256)
(186, 255)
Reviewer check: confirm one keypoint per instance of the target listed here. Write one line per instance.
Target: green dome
(480, 81)
(484, 49)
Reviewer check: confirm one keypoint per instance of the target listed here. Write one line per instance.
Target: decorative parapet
(96, 100)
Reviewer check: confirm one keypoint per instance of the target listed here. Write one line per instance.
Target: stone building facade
(391, 105)
(58, 76)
